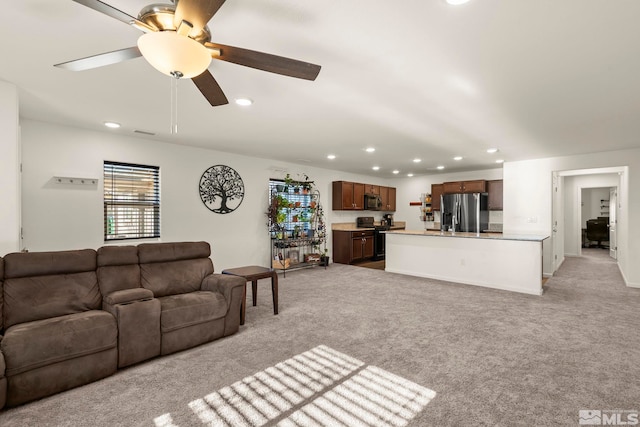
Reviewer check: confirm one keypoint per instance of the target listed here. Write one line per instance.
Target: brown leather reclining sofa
(68, 318)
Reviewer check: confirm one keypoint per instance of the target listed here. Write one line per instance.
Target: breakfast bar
(492, 260)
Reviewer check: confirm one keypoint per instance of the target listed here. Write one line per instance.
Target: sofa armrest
(224, 284)
(137, 314)
(127, 296)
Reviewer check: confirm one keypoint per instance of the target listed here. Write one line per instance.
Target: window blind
(131, 201)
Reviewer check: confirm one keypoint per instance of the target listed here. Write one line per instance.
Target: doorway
(597, 216)
(567, 207)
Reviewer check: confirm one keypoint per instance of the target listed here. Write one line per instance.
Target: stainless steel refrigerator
(467, 212)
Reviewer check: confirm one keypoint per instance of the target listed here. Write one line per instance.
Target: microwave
(372, 202)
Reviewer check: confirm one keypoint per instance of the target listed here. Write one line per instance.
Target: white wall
(59, 217)
(574, 220)
(409, 190)
(9, 169)
(528, 194)
(597, 198)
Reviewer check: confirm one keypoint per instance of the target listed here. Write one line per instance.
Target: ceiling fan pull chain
(174, 105)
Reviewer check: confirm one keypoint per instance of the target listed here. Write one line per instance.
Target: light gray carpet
(492, 357)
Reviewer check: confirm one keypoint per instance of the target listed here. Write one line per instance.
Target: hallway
(594, 270)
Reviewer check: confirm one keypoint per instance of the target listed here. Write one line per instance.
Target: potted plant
(288, 181)
(324, 258)
(306, 184)
(277, 213)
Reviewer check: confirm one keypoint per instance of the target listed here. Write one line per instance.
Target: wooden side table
(252, 274)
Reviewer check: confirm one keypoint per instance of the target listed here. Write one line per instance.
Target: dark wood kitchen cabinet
(348, 196)
(436, 192)
(388, 197)
(477, 186)
(494, 188)
(372, 189)
(352, 246)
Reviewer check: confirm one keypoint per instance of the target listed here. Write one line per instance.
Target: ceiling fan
(177, 42)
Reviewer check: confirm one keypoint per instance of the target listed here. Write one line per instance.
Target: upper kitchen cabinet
(388, 197)
(477, 186)
(494, 188)
(372, 189)
(436, 192)
(348, 196)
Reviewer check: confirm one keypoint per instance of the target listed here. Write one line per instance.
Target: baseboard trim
(627, 283)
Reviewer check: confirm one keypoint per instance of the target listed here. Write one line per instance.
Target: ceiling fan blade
(111, 11)
(101, 60)
(266, 62)
(196, 12)
(210, 89)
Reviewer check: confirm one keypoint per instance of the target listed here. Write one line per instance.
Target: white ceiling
(535, 78)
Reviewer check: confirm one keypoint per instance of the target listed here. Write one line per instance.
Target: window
(131, 201)
(295, 195)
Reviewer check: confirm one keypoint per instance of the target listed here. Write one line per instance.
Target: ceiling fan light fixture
(173, 54)
(245, 102)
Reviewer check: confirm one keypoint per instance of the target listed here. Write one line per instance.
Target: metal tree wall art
(221, 189)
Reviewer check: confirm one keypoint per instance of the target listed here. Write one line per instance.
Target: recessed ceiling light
(331, 156)
(499, 161)
(375, 168)
(492, 150)
(244, 101)
(416, 160)
(440, 167)
(457, 158)
(409, 175)
(396, 172)
(112, 125)
(456, 2)
(370, 150)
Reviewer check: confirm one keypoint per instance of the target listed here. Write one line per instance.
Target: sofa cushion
(35, 298)
(29, 264)
(180, 311)
(1, 293)
(3, 366)
(178, 277)
(163, 252)
(117, 255)
(39, 285)
(35, 344)
(118, 268)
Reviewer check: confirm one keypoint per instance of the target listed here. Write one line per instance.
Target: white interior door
(557, 212)
(613, 204)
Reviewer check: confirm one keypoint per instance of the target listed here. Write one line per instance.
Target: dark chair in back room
(598, 231)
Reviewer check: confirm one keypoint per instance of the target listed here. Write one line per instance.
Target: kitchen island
(492, 260)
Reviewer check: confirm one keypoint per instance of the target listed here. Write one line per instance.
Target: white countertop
(496, 236)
